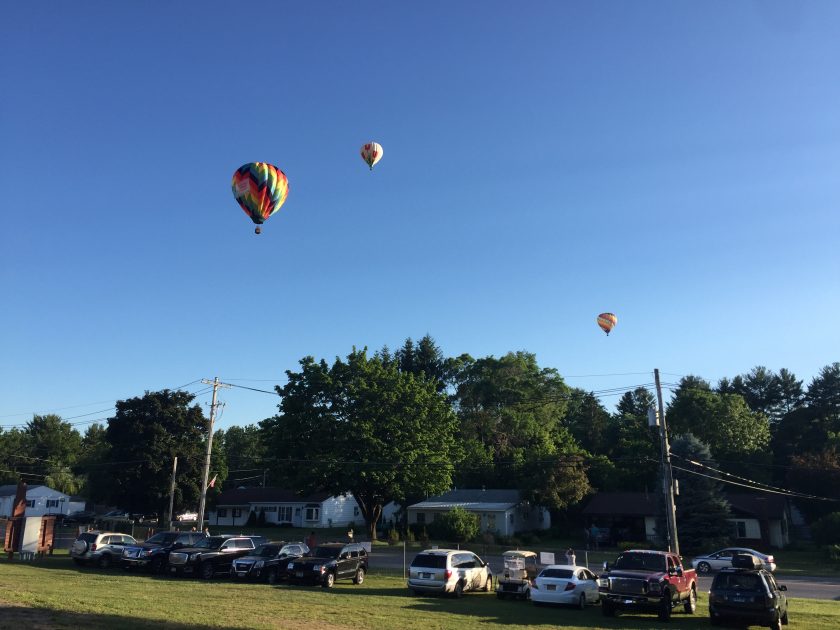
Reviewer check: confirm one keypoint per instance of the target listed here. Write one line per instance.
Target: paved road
(391, 559)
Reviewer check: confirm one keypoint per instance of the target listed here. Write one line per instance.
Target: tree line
(406, 424)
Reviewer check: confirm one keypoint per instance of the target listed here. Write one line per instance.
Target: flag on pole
(212, 481)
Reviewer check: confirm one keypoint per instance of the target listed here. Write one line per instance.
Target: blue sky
(677, 163)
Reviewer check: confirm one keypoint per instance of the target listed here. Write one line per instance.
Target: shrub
(457, 525)
(252, 519)
(393, 537)
(410, 537)
(826, 531)
(261, 518)
(833, 552)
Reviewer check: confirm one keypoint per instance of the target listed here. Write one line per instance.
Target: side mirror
(782, 587)
(679, 572)
(606, 566)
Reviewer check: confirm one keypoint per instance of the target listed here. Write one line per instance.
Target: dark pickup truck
(647, 581)
(211, 556)
(152, 554)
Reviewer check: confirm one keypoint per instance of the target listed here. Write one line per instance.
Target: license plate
(299, 574)
(426, 576)
(173, 570)
(629, 601)
(551, 587)
(739, 599)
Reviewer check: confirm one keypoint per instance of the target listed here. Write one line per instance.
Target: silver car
(449, 571)
(723, 560)
(101, 548)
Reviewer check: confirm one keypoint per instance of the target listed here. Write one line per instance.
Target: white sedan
(565, 584)
(723, 559)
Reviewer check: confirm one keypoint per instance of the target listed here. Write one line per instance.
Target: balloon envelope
(371, 153)
(260, 189)
(607, 322)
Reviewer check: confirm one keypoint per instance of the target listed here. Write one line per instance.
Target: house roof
(621, 504)
(644, 504)
(244, 496)
(764, 506)
(11, 490)
(471, 500)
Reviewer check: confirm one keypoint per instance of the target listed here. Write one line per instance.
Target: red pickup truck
(650, 581)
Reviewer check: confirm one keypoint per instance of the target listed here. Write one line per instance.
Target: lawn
(54, 593)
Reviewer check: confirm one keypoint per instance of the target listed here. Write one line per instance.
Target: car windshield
(739, 582)
(163, 538)
(267, 551)
(327, 552)
(640, 562)
(557, 573)
(213, 542)
(429, 561)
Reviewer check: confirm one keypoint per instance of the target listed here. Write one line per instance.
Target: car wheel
(156, 565)
(104, 561)
(690, 606)
(785, 619)
(271, 577)
(359, 577)
(704, 567)
(206, 571)
(607, 609)
(776, 624)
(329, 580)
(489, 585)
(582, 601)
(79, 562)
(665, 607)
(459, 590)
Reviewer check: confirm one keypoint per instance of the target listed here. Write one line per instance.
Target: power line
(743, 485)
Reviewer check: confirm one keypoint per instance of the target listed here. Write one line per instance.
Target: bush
(826, 531)
(833, 552)
(252, 519)
(393, 537)
(624, 545)
(457, 525)
(261, 518)
(410, 537)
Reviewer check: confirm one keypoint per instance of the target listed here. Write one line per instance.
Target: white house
(285, 506)
(40, 501)
(501, 511)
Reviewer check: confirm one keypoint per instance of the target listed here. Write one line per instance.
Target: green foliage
(261, 518)
(833, 553)
(826, 531)
(624, 545)
(393, 537)
(243, 448)
(457, 525)
(252, 521)
(352, 416)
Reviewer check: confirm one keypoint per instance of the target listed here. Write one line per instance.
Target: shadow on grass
(15, 616)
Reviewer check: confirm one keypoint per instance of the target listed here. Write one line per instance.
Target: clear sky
(677, 163)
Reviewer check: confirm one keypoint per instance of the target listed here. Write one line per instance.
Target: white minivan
(448, 571)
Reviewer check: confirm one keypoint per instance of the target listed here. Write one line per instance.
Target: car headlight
(195, 556)
(148, 552)
(259, 564)
(291, 566)
(604, 583)
(654, 587)
(125, 552)
(317, 567)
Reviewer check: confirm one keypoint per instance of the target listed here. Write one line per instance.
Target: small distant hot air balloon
(260, 188)
(607, 322)
(371, 153)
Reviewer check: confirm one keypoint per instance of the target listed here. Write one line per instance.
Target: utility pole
(667, 474)
(216, 383)
(170, 515)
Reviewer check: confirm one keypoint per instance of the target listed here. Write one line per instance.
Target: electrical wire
(743, 485)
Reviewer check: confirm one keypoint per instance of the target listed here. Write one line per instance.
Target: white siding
(40, 495)
(340, 511)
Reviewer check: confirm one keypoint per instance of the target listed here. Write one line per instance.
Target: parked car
(187, 516)
(269, 562)
(746, 593)
(520, 569)
(649, 581)
(82, 517)
(115, 514)
(330, 562)
(565, 584)
(209, 556)
(448, 571)
(723, 559)
(100, 548)
(152, 555)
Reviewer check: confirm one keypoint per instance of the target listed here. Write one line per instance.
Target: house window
(312, 513)
(284, 513)
(355, 510)
(491, 522)
(269, 508)
(221, 513)
(236, 512)
(739, 529)
(421, 517)
(52, 503)
(30, 503)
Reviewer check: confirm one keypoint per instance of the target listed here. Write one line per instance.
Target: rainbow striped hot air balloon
(260, 189)
(607, 322)
(371, 153)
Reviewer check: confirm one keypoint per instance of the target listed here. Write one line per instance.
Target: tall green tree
(363, 427)
(94, 462)
(702, 509)
(12, 446)
(635, 451)
(816, 474)
(144, 435)
(51, 439)
(244, 451)
(512, 427)
(824, 395)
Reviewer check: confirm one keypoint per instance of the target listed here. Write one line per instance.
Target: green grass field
(54, 593)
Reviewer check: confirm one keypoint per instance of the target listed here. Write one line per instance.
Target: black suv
(330, 562)
(152, 554)
(210, 556)
(747, 593)
(268, 563)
